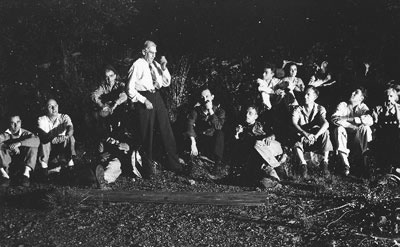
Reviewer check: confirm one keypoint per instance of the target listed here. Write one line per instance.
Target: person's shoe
(303, 171)
(4, 182)
(346, 170)
(267, 183)
(219, 171)
(25, 181)
(325, 168)
(270, 172)
(101, 182)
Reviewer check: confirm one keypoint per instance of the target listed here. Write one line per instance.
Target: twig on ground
(333, 222)
(377, 238)
(329, 210)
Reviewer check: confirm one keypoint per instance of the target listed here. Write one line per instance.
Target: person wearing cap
(146, 78)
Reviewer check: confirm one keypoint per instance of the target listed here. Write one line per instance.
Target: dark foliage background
(52, 48)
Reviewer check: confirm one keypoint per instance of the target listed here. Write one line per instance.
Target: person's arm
(190, 132)
(122, 97)
(4, 137)
(341, 118)
(28, 139)
(135, 73)
(299, 85)
(47, 136)
(217, 118)
(96, 96)
(295, 122)
(69, 126)
(163, 77)
(324, 123)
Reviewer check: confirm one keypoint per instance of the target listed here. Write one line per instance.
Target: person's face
(357, 96)
(150, 54)
(310, 96)
(207, 97)
(110, 76)
(268, 74)
(251, 116)
(293, 70)
(52, 107)
(15, 124)
(391, 97)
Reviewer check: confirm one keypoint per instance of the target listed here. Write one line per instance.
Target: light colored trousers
(360, 137)
(268, 152)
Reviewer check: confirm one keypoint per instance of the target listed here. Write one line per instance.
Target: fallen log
(200, 198)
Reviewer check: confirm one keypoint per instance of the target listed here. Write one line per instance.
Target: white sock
(27, 171)
(4, 173)
(71, 163)
(43, 164)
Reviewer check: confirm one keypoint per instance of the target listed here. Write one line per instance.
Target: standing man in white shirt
(56, 135)
(146, 77)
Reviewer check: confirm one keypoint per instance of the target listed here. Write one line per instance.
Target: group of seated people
(288, 119)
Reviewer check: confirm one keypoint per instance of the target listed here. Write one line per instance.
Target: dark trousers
(157, 116)
(212, 146)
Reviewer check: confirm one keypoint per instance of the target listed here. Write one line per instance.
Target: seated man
(352, 125)
(204, 128)
(309, 121)
(17, 146)
(387, 124)
(268, 86)
(115, 151)
(56, 135)
(108, 97)
(251, 137)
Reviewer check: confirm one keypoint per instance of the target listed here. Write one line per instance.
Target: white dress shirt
(141, 79)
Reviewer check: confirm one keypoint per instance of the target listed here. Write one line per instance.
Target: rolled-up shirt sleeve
(96, 96)
(163, 76)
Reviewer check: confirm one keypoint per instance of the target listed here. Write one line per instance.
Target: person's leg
(341, 138)
(363, 137)
(5, 160)
(268, 152)
(29, 155)
(167, 135)
(44, 154)
(69, 150)
(218, 147)
(112, 170)
(146, 124)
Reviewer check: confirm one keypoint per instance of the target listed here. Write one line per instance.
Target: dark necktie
(153, 76)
